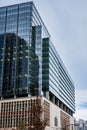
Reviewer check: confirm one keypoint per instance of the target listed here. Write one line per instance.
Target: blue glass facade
(29, 63)
(56, 79)
(60, 82)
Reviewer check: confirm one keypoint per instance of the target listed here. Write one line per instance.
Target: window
(55, 121)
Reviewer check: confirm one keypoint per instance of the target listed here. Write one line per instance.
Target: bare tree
(37, 120)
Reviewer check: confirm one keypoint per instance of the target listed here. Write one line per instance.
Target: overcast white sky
(66, 21)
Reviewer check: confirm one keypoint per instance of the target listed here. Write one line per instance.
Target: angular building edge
(30, 64)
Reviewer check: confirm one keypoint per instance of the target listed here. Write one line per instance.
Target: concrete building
(11, 111)
(30, 64)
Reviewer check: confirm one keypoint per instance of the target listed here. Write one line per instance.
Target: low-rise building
(81, 124)
(30, 110)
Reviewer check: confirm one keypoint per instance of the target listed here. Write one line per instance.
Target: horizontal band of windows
(67, 97)
(70, 96)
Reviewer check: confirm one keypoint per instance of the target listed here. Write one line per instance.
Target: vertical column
(38, 50)
(3, 49)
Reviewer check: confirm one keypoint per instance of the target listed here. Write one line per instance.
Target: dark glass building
(29, 63)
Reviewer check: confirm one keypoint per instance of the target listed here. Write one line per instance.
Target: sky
(66, 20)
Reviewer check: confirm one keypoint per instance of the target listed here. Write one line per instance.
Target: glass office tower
(29, 63)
